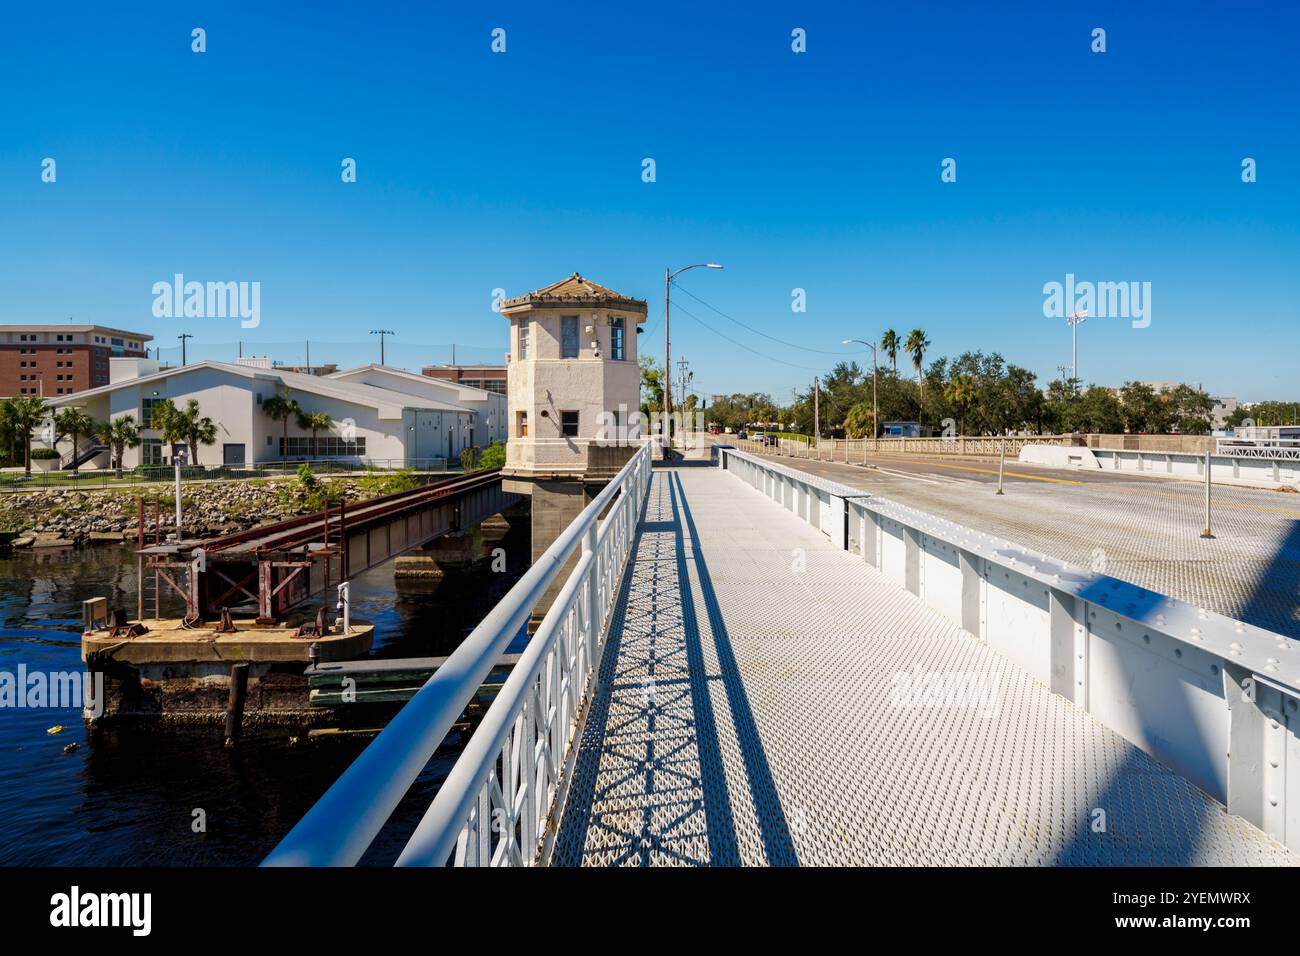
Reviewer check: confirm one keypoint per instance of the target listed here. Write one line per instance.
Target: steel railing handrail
(339, 828)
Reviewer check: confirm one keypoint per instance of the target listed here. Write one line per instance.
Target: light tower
(1074, 320)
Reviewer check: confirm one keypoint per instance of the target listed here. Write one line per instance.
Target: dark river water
(125, 798)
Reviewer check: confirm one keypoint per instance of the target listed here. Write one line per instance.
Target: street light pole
(875, 425)
(668, 367)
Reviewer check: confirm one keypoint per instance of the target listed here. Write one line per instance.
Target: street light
(669, 276)
(875, 426)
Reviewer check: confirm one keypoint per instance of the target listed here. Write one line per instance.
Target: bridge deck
(750, 716)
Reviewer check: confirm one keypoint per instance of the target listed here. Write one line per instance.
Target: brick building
(54, 360)
(491, 378)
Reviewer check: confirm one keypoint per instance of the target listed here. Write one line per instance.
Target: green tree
(1192, 410)
(184, 426)
(857, 423)
(891, 343)
(74, 423)
(25, 412)
(281, 408)
(652, 385)
(915, 346)
(494, 456)
(314, 422)
(119, 434)
(961, 390)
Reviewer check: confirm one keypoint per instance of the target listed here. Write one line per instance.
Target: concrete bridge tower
(573, 386)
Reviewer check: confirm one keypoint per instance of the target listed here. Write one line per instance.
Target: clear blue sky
(818, 171)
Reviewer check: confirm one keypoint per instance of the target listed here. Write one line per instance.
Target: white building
(376, 413)
(572, 378)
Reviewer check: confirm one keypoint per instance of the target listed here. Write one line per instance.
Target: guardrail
(1265, 466)
(859, 450)
(494, 806)
(1214, 698)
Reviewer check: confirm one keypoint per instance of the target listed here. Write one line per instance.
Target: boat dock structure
(749, 664)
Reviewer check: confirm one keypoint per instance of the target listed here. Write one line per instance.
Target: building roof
(388, 402)
(70, 327)
(348, 374)
(574, 290)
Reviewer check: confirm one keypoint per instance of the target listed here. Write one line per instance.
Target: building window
(569, 424)
(327, 446)
(568, 336)
(523, 339)
(146, 411)
(617, 345)
(521, 424)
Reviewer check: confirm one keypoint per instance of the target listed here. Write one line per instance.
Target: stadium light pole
(669, 276)
(1075, 319)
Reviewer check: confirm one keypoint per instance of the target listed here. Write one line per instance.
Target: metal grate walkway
(753, 707)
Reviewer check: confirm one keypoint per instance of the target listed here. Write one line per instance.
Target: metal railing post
(1207, 533)
(1002, 459)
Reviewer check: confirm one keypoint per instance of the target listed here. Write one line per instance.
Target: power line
(806, 368)
(749, 328)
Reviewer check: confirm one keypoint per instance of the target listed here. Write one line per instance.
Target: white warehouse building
(376, 413)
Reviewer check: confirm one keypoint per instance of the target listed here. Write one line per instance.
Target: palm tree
(314, 422)
(25, 412)
(916, 345)
(890, 342)
(185, 426)
(119, 434)
(74, 423)
(960, 390)
(281, 408)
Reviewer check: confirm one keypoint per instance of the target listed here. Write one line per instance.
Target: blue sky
(818, 171)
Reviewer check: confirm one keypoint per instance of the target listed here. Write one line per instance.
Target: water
(128, 797)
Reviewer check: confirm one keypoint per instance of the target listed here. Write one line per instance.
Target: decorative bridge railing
(495, 806)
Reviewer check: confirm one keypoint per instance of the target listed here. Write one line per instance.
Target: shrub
(494, 456)
(44, 454)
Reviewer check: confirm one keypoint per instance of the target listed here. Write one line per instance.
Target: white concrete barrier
(1214, 698)
(1059, 456)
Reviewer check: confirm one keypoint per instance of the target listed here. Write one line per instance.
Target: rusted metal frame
(234, 586)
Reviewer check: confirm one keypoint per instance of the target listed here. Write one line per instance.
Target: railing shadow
(1274, 599)
(613, 709)
(774, 829)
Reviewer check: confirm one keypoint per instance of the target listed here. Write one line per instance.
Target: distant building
(491, 378)
(53, 360)
(1223, 408)
(905, 430)
(376, 414)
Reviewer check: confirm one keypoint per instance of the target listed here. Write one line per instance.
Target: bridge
(752, 664)
(274, 567)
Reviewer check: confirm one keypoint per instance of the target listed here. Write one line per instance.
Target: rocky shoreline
(68, 518)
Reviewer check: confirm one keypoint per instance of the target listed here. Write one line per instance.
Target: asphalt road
(1143, 529)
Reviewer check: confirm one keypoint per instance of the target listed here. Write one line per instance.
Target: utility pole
(183, 336)
(309, 357)
(381, 333)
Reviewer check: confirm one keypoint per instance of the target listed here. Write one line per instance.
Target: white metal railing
(494, 806)
(1216, 699)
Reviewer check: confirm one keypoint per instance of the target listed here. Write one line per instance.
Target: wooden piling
(235, 706)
